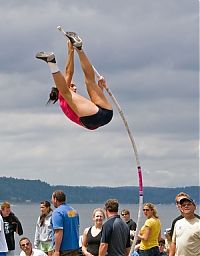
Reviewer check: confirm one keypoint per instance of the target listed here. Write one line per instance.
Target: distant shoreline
(33, 191)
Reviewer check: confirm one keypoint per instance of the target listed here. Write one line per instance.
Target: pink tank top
(68, 111)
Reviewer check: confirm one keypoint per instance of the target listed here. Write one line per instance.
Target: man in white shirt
(186, 235)
(3, 244)
(27, 249)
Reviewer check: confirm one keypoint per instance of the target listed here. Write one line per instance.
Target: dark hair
(162, 241)
(59, 195)
(43, 216)
(53, 96)
(24, 238)
(112, 205)
(125, 211)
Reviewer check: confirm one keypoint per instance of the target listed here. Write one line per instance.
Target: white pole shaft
(62, 31)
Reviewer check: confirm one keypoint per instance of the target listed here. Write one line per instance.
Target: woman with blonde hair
(150, 233)
(92, 235)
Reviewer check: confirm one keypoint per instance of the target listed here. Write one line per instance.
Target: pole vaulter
(139, 169)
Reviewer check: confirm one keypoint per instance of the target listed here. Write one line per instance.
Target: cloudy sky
(148, 53)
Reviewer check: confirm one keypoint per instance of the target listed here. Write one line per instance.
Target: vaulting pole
(139, 169)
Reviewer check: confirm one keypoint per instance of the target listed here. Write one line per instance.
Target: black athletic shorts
(102, 117)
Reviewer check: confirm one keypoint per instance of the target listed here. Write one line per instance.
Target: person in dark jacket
(125, 213)
(11, 225)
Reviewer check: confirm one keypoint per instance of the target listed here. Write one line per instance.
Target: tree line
(21, 190)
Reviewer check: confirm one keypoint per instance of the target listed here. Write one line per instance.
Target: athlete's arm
(69, 68)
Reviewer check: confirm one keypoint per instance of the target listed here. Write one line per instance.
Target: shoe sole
(48, 57)
(74, 39)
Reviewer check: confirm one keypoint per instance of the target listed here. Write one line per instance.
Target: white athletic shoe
(46, 56)
(74, 39)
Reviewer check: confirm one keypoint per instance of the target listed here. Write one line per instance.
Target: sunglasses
(124, 214)
(186, 205)
(26, 244)
(146, 210)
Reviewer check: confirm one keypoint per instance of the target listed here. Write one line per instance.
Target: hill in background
(21, 190)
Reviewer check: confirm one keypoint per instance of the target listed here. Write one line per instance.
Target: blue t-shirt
(66, 218)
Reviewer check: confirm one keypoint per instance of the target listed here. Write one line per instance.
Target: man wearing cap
(178, 197)
(186, 235)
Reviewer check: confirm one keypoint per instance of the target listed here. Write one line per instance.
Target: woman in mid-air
(90, 114)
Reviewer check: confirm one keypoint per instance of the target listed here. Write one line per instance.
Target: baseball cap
(186, 199)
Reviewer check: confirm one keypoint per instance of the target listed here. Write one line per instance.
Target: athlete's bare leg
(95, 92)
(79, 104)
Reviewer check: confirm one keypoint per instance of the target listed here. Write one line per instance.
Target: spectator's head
(98, 216)
(5, 209)
(98, 210)
(25, 245)
(186, 199)
(188, 207)
(111, 207)
(125, 214)
(58, 198)
(178, 197)
(162, 245)
(45, 207)
(150, 210)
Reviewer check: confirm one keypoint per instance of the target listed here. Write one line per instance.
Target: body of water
(28, 214)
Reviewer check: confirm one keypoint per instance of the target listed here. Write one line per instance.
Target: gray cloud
(148, 52)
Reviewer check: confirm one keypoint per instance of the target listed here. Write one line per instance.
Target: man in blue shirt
(65, 222)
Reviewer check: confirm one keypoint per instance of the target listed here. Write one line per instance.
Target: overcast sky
(148, 53)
